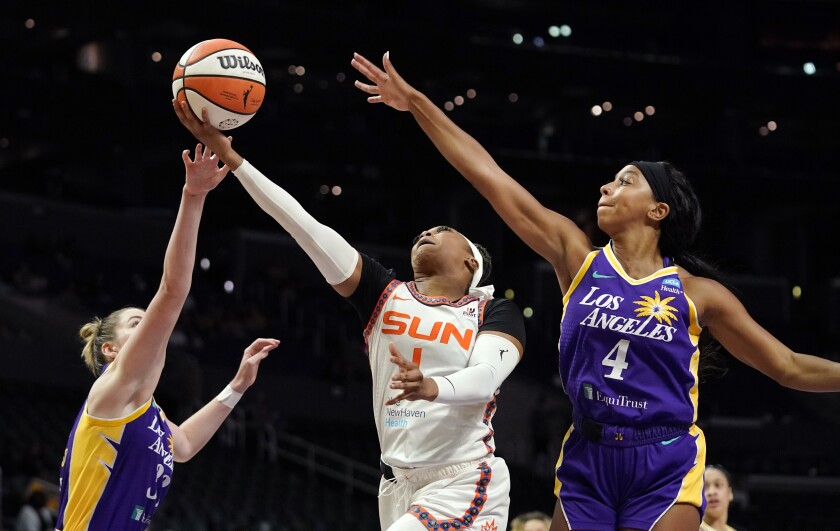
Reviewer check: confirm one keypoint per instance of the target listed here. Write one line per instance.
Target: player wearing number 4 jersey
(439, 348)
(633, 458)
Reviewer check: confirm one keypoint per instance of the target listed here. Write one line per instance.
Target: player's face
(441, 243)
(129, 319)
(718, 492)
(535, 525)
(625, 199)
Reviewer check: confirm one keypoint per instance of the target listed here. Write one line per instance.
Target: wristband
(229, 397)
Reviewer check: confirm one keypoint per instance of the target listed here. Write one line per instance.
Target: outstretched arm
(133, 376)
(194, 433)
(729, 323)
(551, 235)
(336, 259)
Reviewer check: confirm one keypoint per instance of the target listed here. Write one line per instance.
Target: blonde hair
(95, 334)
(519, 522)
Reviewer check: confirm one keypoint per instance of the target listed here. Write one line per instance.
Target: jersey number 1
(617, 362)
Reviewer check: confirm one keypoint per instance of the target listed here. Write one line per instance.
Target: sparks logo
(489, 526)
(656, 308)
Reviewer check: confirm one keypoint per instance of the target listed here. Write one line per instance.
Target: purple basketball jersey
(628, 348)
(115, 472)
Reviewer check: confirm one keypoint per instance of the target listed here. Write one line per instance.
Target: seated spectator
(34, 515)
(531, 521)
(718, 492)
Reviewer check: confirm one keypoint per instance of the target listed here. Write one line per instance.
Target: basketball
(223, 76)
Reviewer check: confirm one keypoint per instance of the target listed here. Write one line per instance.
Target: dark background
(90, 177)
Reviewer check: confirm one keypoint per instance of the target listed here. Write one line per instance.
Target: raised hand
(388, 86)
(203, 170)
(204, 132)
(254, 354)
(410, 380)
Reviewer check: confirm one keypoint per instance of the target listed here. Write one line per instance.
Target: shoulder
(503, 315)
(502, 307)
(370, 266)
(707, 294)
(714, 302)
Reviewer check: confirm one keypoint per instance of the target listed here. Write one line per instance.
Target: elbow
(183, 457)
(488, 393)
(789, 375)
(173, 289)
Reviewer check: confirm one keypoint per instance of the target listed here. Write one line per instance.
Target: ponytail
(677, 233)
(95, 334)
(92, 351)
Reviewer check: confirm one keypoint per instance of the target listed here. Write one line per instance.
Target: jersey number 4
(616, 359)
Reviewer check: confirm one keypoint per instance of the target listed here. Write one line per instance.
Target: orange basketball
(223, 76)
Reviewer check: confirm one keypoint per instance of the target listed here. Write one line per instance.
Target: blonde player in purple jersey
(633, 314)
(121, 451)
(439, 347)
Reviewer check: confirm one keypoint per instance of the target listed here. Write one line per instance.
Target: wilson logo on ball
(242, 61)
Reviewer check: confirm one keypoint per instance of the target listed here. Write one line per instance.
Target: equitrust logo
(620, 401)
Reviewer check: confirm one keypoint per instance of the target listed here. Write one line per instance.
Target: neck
(717, 522)
(638, 253)
(440, 286)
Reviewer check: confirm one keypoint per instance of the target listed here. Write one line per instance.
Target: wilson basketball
(223, 76)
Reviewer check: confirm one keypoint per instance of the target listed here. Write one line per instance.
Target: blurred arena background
(743, 96)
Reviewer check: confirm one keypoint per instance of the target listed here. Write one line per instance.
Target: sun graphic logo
(656, 308)
(489, 526)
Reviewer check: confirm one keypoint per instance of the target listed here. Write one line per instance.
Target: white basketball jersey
(439, 335)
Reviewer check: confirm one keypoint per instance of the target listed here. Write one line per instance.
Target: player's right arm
(551, 235)
(134, 374)
(335, 258)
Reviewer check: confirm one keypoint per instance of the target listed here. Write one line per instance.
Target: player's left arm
(493, 358)
(194, 433)
(497, 350)
(731, 324)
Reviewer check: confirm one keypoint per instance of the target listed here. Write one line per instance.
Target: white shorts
(471, 495)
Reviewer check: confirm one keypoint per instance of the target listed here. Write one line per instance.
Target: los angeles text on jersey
(600, 317)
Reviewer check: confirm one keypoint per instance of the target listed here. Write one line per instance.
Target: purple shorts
(623, 482)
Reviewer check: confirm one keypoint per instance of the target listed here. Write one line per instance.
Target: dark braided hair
(677, 233)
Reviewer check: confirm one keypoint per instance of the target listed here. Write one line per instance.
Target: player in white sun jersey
(439, 346)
